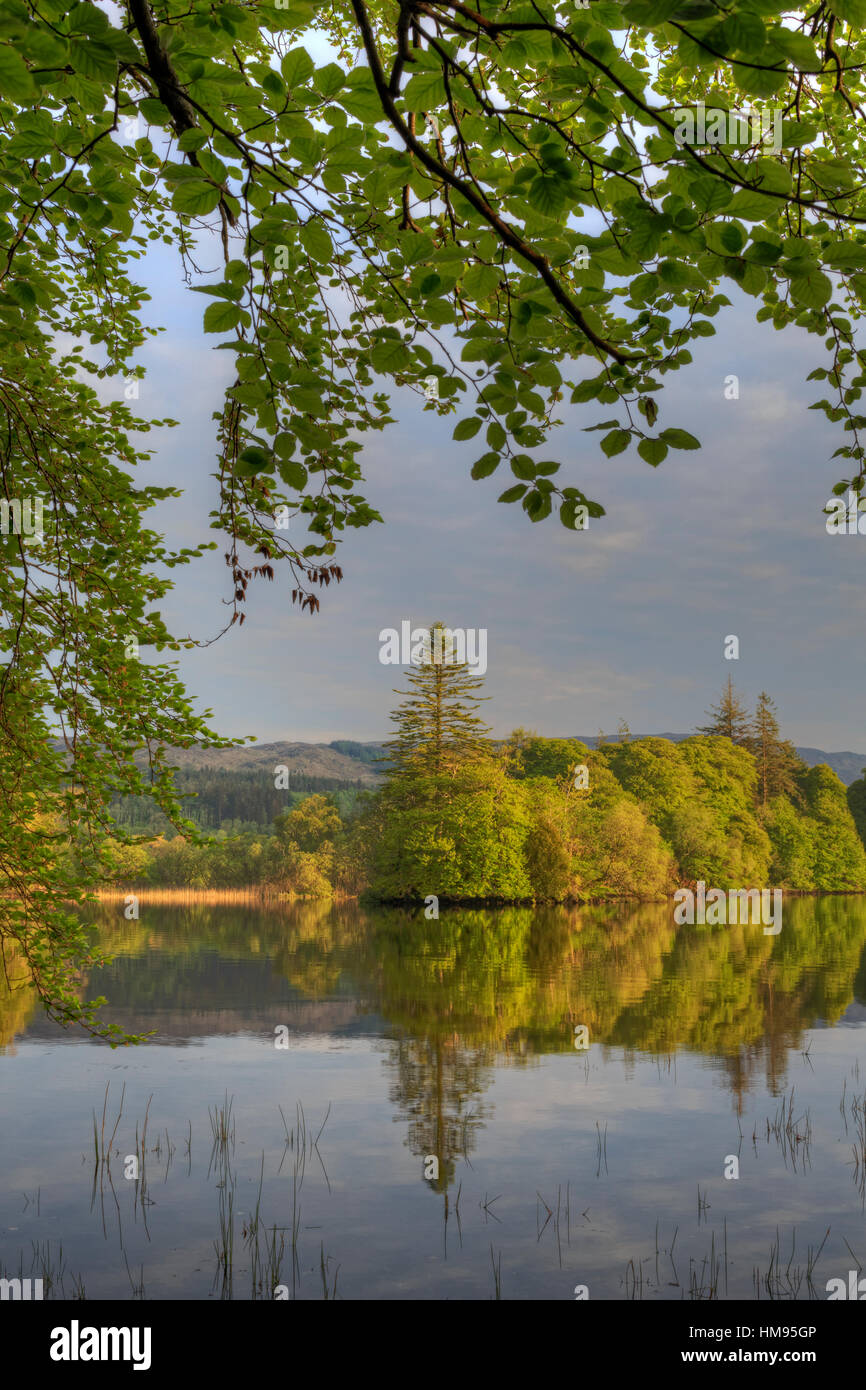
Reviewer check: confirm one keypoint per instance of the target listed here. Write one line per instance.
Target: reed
(101, 1152)
(329, 1292)
(784, 1281)
(858, 1150)
(200, 895)
(601, 1148)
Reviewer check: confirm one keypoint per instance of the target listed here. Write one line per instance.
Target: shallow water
(446, 1045)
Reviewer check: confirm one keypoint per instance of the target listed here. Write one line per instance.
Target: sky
(624, 621)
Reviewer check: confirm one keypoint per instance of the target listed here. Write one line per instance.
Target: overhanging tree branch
(504, 231)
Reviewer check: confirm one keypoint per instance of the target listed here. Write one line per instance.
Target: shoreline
(216, 895)
(257, 894)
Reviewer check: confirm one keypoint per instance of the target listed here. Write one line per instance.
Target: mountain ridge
(331, 759)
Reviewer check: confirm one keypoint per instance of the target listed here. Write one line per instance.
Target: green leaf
(644, 229)
(798, 133)
(481, 281)
(192, 139)
(425, 91)
(732, 238)
(523, 467)
(220, 291)
(548, 193)
(361, 99)
(467, 428)
(537, 505)
(15, 80)
(22, 293)
(652, 451)
(709, 194)
(753, 207)
(745, 32)
(238, 272)
(296, 67)
(546, 372)
(316, 241)
(293, 473)
(615, 442)
(195, 197)
(762, 81)
(512, 494)
(30, 141)
(255, 460)
(568, 514)
(587, 390)
(812, 288)
(329, 80)
(753, 277)
(154, 112)
(762, 252)
(86, 18)
(487, 464)
(649, 13)
(853, 11)
(221, 316)
(845, 255)
(679, 439)
(94, 59)
(389, 355)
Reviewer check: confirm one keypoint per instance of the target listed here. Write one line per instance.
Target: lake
(524, 1104)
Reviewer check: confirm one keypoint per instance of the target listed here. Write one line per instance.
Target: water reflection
(477, 987)
(442, 1013)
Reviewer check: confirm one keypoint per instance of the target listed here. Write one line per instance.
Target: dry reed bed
(205, 895)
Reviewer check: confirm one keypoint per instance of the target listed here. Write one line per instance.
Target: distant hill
(848, 767)
(304, 759)
(349, 762)
(236, 789)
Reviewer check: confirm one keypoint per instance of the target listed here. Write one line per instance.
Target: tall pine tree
(778, 760)
(437, 725)
(730, 717)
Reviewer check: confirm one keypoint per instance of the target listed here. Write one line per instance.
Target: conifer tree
(730, 717)
(777, 758)
(437, 727)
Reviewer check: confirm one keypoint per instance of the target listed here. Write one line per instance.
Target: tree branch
(506, 233)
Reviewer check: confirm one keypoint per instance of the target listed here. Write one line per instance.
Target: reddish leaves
(313, 574)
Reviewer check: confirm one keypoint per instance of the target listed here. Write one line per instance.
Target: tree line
(461, 816)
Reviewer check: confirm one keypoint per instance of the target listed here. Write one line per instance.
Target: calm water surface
(311, 1063)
